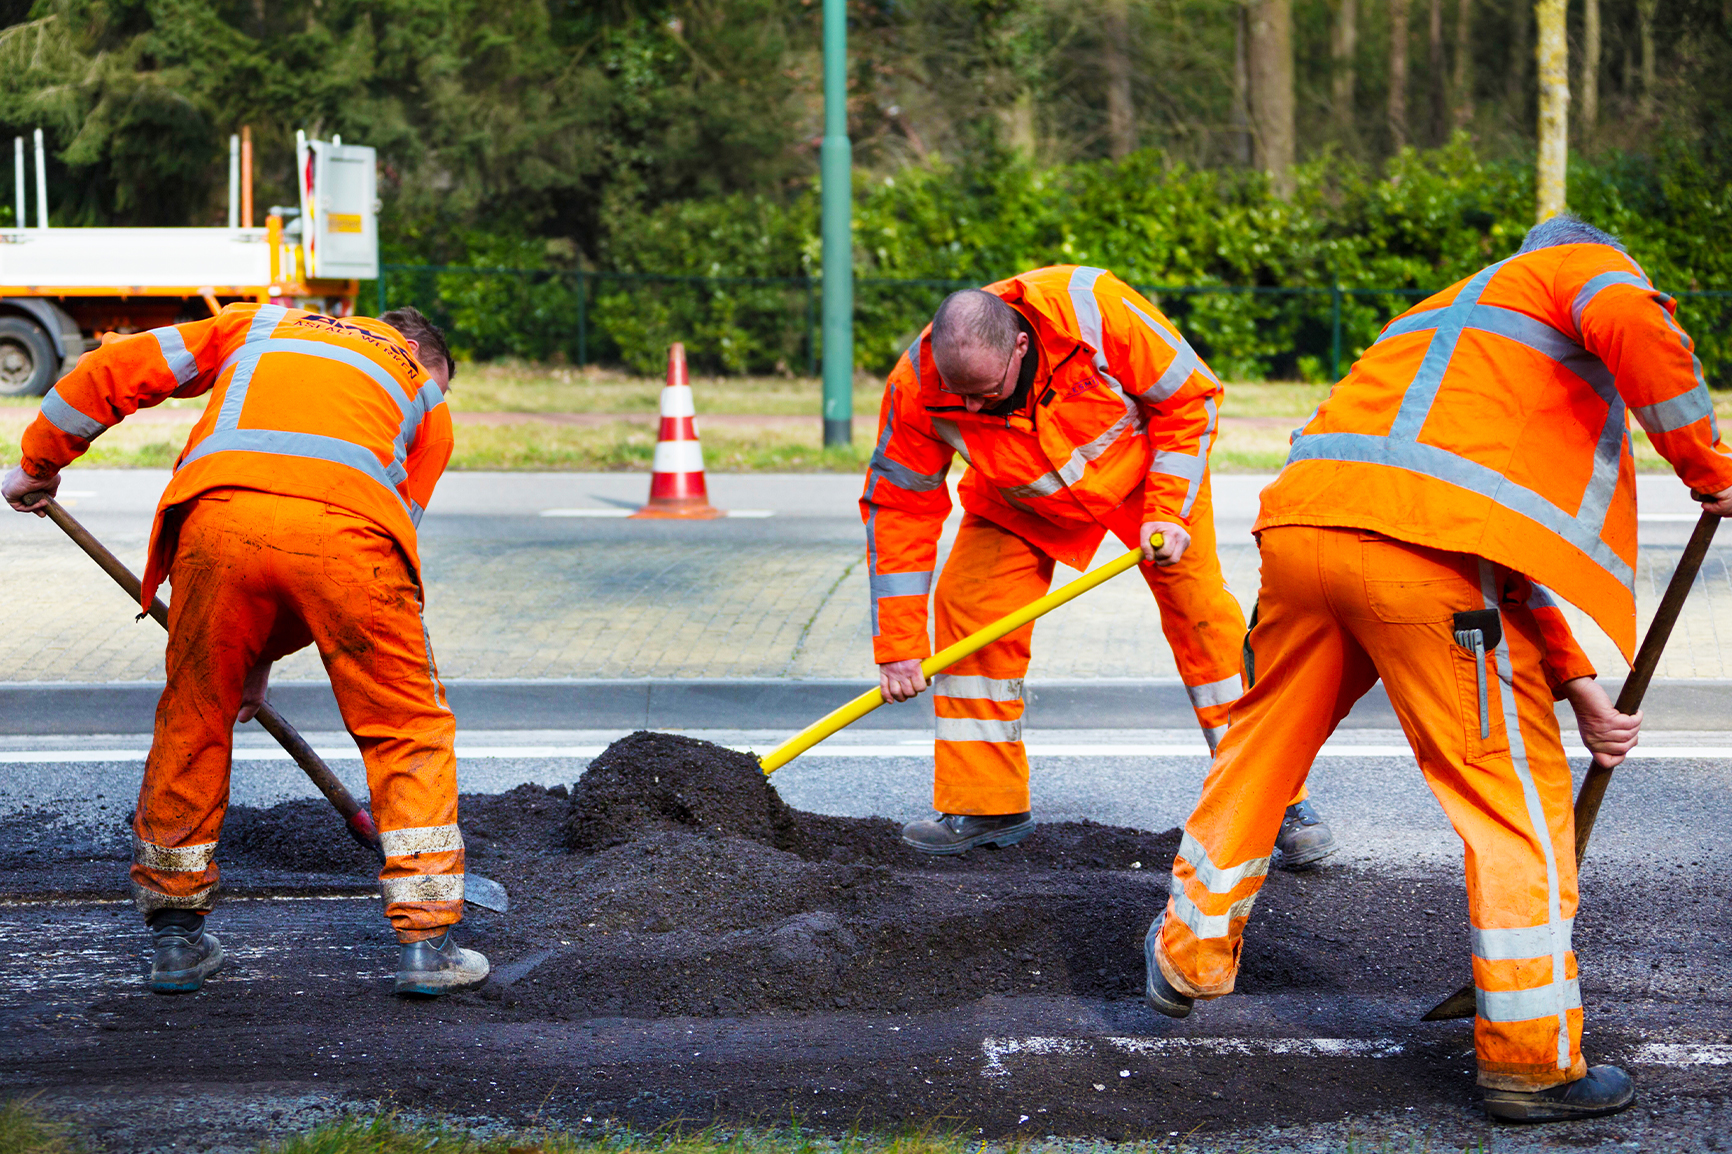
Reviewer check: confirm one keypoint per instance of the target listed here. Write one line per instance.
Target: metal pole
(19, 220)
(1334, 332)
(234, 180)
(836, 162)
(41, 184)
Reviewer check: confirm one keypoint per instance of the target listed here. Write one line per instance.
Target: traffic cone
(677, 477)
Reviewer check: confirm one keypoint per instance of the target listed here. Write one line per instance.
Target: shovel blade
(1461, 1004)
(486, 893)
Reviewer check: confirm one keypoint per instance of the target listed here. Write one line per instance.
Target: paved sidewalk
(536, 576)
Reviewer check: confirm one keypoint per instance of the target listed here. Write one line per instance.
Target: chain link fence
(769, 325)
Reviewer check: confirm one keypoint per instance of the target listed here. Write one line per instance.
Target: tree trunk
(1553, 55)
(1463, 83)
(1645, 11)
(1343, 40)
(1398, 74)
(1521, 25)
(1588, 117)
(1121, 114)
(1439, 78)
(1271, 59)
(1242, 86)
(1018, 126)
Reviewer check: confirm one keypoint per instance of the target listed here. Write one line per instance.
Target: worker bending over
(290, 519)
(1473, 466)
(1079, 410)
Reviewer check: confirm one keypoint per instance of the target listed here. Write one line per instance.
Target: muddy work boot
(434, 966)
(1305, 839)
(954, 833)
(1602, 1090)
(1158, 993)
(185, 954)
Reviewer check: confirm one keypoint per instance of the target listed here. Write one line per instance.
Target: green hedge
(1424, 221)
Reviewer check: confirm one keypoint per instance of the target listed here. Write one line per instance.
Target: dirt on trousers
(812, 963)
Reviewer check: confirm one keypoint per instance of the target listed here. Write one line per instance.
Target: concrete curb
(28, 708)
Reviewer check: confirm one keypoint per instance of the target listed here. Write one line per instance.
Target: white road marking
(750, 514)
(1692, 518)
(995, 1051)
(905, 749)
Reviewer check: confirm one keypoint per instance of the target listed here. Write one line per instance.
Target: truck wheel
(28, 366)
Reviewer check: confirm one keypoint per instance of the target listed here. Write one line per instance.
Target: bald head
(973, 334)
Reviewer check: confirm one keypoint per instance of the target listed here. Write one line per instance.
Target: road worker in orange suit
(290, 520)
(1472, 470)
(1079, 410)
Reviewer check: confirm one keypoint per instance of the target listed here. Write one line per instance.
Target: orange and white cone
(677, 478)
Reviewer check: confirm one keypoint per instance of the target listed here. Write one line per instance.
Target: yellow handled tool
(945, 658)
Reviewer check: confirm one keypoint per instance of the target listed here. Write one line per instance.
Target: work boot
(954, 833)
(185, 954)
(434, 966)
(1305, 839)
(1158, 993)
(1602, 1090)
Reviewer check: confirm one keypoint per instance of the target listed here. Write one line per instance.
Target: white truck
(62, 288)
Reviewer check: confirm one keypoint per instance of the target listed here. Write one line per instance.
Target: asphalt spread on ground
(684, 946)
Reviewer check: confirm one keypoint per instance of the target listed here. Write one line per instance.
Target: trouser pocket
(1478, 632)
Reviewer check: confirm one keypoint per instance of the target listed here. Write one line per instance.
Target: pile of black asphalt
(684, 946)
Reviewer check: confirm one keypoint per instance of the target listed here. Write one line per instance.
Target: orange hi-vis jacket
(304, 405)
(1491, 419)
(1115, 431)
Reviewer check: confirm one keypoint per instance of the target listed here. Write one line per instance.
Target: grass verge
(25, 1131)
(386, 1135)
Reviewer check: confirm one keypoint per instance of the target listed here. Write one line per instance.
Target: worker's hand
(1721, 505)
(1608, 734)
(1174, 542)
(900, 680)
(29, 494)
(253, 692)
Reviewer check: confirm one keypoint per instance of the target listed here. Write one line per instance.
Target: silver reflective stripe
(429, 398)
(905, 478)
(421, 839)
(1207, 925)
(1518, 944)
(1072, 470)
(900, 584)
(1185, 360)
(189, 859)
(1609, 453)
(1412, 323)
(950, 435)
(68, 419)
(265, 322)
(309, 445)
(1044, 485)
(975, 688)
(1431, 461)
(423, 888)
(180, 360)
(149, 901)
(1223, 692)
(1526, 1005)
(914, 357)
(1416, 404)
(415, 512)
(1213, 737)
(1678, 413)
(1170, 463)
(1586, 294)
(1088, 317)
(1212, 877)
(1562, 994)
(978, 729)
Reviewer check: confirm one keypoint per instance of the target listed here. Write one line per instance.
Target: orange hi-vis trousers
(980, 765)
(258, 575)
(1339, 608)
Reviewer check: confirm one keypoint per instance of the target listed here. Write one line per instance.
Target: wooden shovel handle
(1594, 785)
(355, 816)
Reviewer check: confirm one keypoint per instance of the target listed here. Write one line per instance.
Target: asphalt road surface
(304, 1024)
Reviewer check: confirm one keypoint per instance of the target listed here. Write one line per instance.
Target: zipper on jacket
(1477, 631)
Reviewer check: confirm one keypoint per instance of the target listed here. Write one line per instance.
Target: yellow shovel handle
(945, 658)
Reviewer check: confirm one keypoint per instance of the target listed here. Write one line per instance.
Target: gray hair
(971, 319)
(1565, 228)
